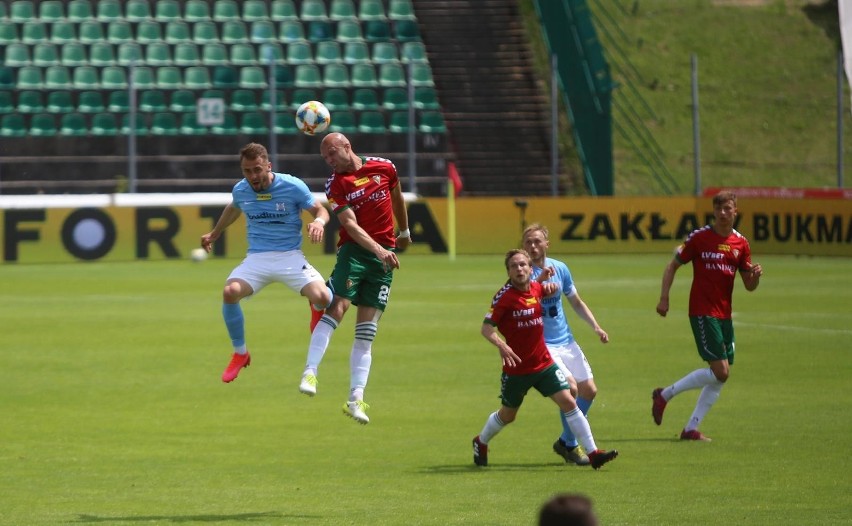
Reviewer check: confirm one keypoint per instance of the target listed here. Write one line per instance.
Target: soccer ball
(312, 117)
(198, 254)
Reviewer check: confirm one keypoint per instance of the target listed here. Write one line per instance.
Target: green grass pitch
(114, 411)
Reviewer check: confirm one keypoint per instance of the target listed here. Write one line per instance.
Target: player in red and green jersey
(717, 253)
(516, 313)
(365, 195)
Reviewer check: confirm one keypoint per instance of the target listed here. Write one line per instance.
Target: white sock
(581, 429)
(694, 380)
(320, 339)
(492, 426)
(361, 358)
(706, 399)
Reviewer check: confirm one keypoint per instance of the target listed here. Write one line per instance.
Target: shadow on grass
(236, 517)
(464, 468)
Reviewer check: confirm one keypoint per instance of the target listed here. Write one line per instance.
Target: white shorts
(570, 358)
(262, 268)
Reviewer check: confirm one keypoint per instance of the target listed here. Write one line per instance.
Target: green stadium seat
(51, 11)
(371, 10)
(328, 52)
(426, 98)
(197, 11)
(252, 77)
(392, 75)
(313, 10)
(336, 99)
(79, 11)
(177, 31)
(244, 100)
(61, 102)
(109, 10)
(302, 95)
(144, 78)
(414, 51)
(91, 31)
(320, 31)
(33, 32)
(269, 50)
(182, 101)
(385, 53)
(234, 31)
(406, 30)
(129, 53)
(73, 125)
(169, 77)
(291, 31)
(186, 54)
(377, 30)
(262, 31)
(365, 99)
(189, 125)
(336, 76)
(89, 101)
(7, 78)
(280, 100)
(112, 77)
(137, 10)
(63, 32)
(395, 99)
(253, 123)
(364, 76)
(197, 77)
(214, 54)
(372, 122)
(42, 125)
(299, 53)
(228, 126)
(167, 11)
(343, 122)
(284, 124)
(118, 102)
(398, 122)
(158, 54)
(9, 33)
(281, 10)
(421, 74)
(7, 104)
(356, 53)
(255, 10)
(432, 122)
(349, 31)
(164, 124)
(30, 101)
(73, 54)
(30, 77)
(57, 77)
(342, 10)
(225, 77)
(401, 10)
(22, 11)
(149, 31)
(104, 124)
(226, 11)
(17, 55)
(152, 100)
(119, 32)
(102, 54)
(13, 125)
(205, 32)
(139, 127)
(213, 94)
(308, 76)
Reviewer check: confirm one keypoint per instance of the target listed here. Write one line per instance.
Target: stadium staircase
(494, 107)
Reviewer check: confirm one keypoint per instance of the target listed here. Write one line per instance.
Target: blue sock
(567, 435)
(234, 321)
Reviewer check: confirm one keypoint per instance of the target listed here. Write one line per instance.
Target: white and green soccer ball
(312, 117)
(198, 254)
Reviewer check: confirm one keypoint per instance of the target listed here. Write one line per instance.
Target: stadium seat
(320, 31)
(426, 98)
(313, 10)
(143, 78)
(280, 100)
(129, 53)
(117, 102)
(189, 125)
(7, 104)
(169, 77)
(103, 124)
(17, 55)
(299, 53)
(244, 100)
(228, 126)
(356, 53)
(9, 33)
(158, 54)
(262, 31)
(272, 50)
(102, 54)
(30, 77)
(414, 51)
(177, 31)
(365, 99)
(349, 31)
(7, 77)
(392, 75)
(385, 53)
(13, 125)
(57, 77)
(112, 77)
(61, 101)
(182, 101)
(42, 125)
(30, 101)
(291, 31)
(342, 10)
(377, 31)
(336, 99)
(398, 122)
(401, 10)
(137, 10)
(212, 94)
(109, 10)
(140, 126)
(51, 11)
(167, 11)
(255, 10)
(234, 32)
(225, 77)
(308, 76)
(119, 32)
(395, 99)
(281, 10)
(186, 54)
(205, 32)
(328, 52)
(214, 54)
(197, 11)
(90, 101)
(226, 11)
(164, 124)
(79, 11)
(336, 76)
(149, 31)
(197, 77)
(364, 76)
(253, 123)
(371, 10)
(252, 77)
(63, 32)
(152, 100)
(432, 122)
(73, 54)
(33, 32)
(73, 125)
(406, 30)
(302, 95)
(90, 32)
(22, 11)
(371, 122)
(284, 124)
(421, 74)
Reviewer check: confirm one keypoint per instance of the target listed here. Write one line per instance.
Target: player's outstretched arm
(229, 215)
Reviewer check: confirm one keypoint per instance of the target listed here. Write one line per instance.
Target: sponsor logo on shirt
(264, 197)
(362, 181)
(531, 301)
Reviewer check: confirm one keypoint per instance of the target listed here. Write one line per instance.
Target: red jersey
(367, 192)
(517, 315)
(715, 262)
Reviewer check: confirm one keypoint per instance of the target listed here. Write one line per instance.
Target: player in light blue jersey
(560, 341)
(273, 204)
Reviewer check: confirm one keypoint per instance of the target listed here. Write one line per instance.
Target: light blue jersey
(274, 216)
(556, 328)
